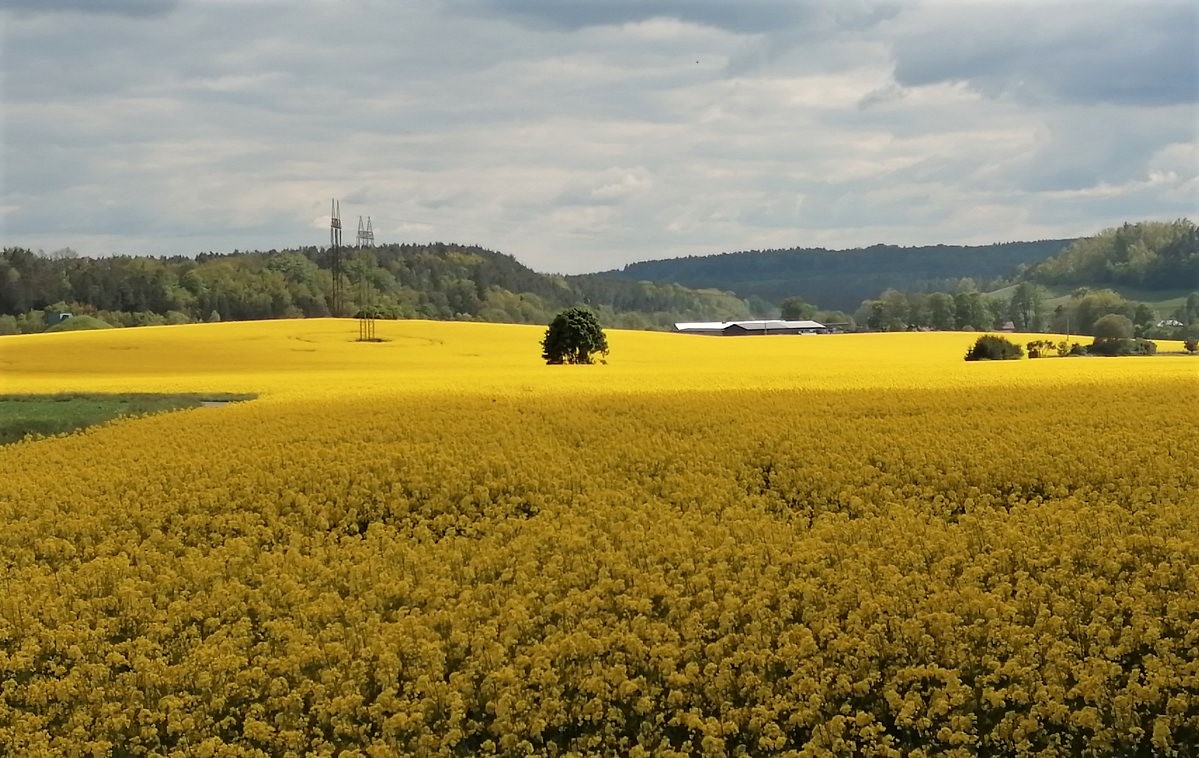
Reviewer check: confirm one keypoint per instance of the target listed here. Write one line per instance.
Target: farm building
(744, 328)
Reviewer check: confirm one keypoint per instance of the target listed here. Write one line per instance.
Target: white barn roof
(760, 325)
(693, 326)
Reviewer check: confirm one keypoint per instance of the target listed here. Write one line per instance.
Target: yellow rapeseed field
(320, 357)
(437, 545)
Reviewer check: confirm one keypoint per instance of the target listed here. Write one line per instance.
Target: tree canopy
(1113, 326)
(843, 278)
(1150, 255)
(434, 281)
(574, 336)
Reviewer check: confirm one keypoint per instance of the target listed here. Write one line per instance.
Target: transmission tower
(335, 250)
(366, 234)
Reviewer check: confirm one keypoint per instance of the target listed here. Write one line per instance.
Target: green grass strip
(22, 416)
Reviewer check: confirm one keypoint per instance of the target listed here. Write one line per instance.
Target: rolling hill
(842, 279)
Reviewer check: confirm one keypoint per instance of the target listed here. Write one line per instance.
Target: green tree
(796, 309)
(942, 311)
(1026, 308)
(887, 314)
(1113, 336)
(970, 311)
(1188, 313)
(837, 320)
(995, 308)
(574, 336)
(1144, 318)
(1113, 326)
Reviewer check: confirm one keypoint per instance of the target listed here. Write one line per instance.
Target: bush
(1115, 347)
(1190, 337)
(77, 323)
(990, 347)
(1043, 348)
(575, 337)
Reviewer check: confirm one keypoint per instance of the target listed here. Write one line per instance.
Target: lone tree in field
(574, 336)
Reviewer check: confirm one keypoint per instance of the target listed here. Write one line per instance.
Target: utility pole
(335, 249)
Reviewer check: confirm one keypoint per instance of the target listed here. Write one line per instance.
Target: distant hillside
(435, 281)
(1151, 255)
(842, 279)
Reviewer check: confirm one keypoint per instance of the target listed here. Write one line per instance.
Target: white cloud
(582, 136)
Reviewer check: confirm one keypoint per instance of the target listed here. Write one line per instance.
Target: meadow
(437, 545)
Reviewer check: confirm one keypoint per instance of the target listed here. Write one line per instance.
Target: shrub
(1115, 347)
(78, 323)
(990, 347)
(1190, 337)
(1042, 348)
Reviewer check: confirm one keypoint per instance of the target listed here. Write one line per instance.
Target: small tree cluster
(574, 337)
(1113, 347)
(990, 347)
(1042, 348)
(1113, 336)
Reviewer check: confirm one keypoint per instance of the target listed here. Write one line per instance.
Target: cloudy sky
(580, 135)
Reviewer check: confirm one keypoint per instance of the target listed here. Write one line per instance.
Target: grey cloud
(133, 8)
(1141, 54)
(745, 16)
(566, 133)
(887, 94)
(1082, 153)
(749, 16)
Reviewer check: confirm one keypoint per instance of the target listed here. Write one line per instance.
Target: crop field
(437, 545)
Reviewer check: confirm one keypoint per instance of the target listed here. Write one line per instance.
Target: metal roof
(697, 325)
(750, 325)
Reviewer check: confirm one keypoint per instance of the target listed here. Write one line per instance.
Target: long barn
(746, 328)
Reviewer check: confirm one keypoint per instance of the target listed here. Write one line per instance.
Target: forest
(1059, 286)
(434, 281)
(1068, 292)
(844, 278)
(1028, 308)
(1052, 286)
(1150, 255)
